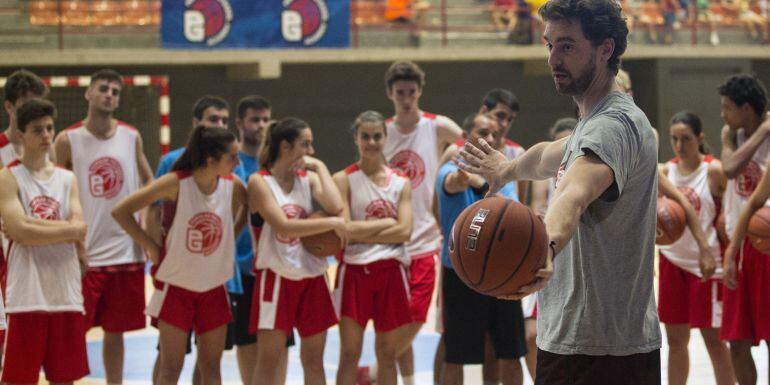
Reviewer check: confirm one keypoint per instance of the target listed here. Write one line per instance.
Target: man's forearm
(540, 162)
(561, 220)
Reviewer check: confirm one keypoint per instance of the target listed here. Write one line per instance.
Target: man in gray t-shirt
(597, 322)
(600, 300)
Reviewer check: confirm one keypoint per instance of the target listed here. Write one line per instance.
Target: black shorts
(468, 316)
(240, 305)
(579, 369)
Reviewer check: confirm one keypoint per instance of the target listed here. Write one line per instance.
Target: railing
(367, 15)
(143, 16)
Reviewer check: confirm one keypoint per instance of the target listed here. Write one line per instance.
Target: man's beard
(579, 85)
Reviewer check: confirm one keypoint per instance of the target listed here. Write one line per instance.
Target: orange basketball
(324, 244)
(759, 230)
(497, 246)
(671, 221)
(721, 230)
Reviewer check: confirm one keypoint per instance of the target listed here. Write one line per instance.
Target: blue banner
(255, 23)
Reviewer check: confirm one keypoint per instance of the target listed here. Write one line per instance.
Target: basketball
(671, 222)
(759, 230)
(497, 246)
(721, 229)
(324, 244)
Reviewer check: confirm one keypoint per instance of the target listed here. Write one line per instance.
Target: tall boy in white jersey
(415, 141)
(745, 154)
(107, 159)
(20, 86)
(42, 215)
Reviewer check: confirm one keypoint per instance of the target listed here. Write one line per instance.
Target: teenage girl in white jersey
(372, 278)
(197, 254)
(290, 289)
(687, 297)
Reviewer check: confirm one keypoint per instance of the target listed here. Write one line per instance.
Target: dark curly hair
(406, 71)
(746, 88)
(599, 19)
(23, 83)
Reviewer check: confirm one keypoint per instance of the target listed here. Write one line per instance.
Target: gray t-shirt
(600, 299)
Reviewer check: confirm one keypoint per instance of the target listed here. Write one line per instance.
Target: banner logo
(304, 21)
(207, 21)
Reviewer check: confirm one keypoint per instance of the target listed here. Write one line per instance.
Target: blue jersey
(167, 161)
(451, 205)
(244, 256)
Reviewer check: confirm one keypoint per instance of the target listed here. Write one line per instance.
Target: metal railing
(143, 17)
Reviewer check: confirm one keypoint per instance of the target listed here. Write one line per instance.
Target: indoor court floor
(141, 353)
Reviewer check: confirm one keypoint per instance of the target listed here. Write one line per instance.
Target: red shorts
(53, 341)
(113, 297)
(377, 291)
(747, 308)
(684, 299)
(422, 281)
(284, 304)
(190, 310)
(529, 306)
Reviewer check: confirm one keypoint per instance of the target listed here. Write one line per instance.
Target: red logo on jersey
(692, 196)
(292, 211)
(204, 233)
(105, 178)
(411, 164)
(381, 208)
(747, 181)
(45, 207)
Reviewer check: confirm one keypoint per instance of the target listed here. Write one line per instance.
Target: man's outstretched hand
(487, 162)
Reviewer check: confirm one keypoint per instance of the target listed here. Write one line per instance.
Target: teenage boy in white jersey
(745, 152)
(42, 215)
(415, 141)
(108, 161)
(21, 86)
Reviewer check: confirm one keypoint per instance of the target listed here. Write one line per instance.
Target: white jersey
(739, 189)
(368, 200)
(286, 256)
(199, 248)
(106, 172)
(7, 151)
(685, 252)
(512, 150)
(7, 156)
(43, 278)
(416, 155)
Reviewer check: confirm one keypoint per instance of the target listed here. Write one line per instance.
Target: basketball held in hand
(324, 244)
(759, 230)
(497, 246)
(671, 222)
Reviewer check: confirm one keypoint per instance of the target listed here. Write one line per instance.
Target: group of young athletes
(221, 221)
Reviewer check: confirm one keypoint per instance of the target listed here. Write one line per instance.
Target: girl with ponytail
(372, 276)
(688, 287)
(196, 255)
(290, 288)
